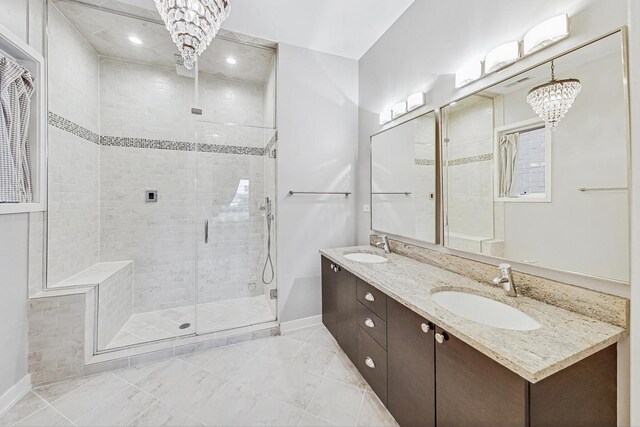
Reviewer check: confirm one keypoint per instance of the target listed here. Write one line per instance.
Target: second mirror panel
(516, 189)
(403, 179)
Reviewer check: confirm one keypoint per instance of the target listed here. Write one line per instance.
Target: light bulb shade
(416, 100)
(399, 109)
(546, 33)
(552, 100)
(468, 73)
(192, 24)
(501, 56)
(385, 116)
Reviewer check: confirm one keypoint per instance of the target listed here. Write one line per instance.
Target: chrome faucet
(506, 280)
(385, 244)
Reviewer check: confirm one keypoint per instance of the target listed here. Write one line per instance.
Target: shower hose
(268, 261)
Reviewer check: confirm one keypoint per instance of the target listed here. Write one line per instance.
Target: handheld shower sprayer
(268, 262)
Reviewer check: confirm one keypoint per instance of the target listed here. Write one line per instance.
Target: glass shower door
(236, 212)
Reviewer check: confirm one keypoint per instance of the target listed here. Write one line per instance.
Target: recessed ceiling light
(135, 40)
(231, 61)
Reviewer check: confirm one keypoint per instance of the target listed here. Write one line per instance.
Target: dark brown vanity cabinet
(339, 306)
(474, 390)
(411, 369)
(428, 377)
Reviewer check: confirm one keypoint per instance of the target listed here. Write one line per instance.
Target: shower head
(181, 69)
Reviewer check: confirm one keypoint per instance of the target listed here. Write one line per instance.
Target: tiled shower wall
(141, 101)
(73, 212)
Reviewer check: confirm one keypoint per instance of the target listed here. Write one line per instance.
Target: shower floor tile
(212, 317)
(254, 383)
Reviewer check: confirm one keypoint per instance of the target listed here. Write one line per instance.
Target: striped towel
(16, 88)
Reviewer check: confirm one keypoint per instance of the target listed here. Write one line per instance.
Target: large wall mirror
(403, 179)
(557, 198)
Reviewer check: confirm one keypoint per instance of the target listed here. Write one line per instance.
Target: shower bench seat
(113, 282)
(94, 275)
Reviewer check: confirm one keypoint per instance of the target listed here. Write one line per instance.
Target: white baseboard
(15, 393)
(300, 323)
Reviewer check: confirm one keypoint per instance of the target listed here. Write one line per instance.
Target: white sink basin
(365, 257)
(484, 310)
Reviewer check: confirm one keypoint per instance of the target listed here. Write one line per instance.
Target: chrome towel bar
(583, 189)
(343, 193)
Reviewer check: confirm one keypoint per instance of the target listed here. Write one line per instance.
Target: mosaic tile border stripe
(425, 162)
(231, 149)
(158, 144)
(61, 123)
(472, 159)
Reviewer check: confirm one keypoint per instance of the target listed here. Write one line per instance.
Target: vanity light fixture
(468, 73)
(501, 56)
(552, 100)
(192, 24)
(546, 33)
(399, 109)
(385, 116)
(416, 100)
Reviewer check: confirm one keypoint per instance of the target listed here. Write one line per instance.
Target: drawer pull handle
(369, 362)
(426, 327)
(441, 337)
(369, 323)
(369, 297)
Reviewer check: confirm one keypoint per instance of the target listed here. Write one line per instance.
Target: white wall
(634, 82)
(410, 57)
(23, 19)
(317, 126)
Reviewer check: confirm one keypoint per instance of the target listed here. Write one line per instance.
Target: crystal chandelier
(192, 24)
(552, 100)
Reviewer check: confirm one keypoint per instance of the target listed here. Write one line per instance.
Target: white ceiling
(341, 27)
(108, 34)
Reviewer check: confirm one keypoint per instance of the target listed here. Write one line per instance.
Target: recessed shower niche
(127, 121)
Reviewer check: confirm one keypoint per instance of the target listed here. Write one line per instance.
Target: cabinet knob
(426, 327)
(369, 323)
(369, 297)
(369, 362)
(333, 266)
(441, 337)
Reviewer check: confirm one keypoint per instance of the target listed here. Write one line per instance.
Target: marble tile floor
(300, 379)
(212, 317)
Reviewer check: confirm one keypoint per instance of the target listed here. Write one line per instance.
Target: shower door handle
(206, 231)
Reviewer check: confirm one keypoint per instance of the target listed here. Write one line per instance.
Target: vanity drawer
(372, 364)
(373, 299)
(373, 325)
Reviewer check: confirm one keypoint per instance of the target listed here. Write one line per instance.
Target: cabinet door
(329, 296)
(347, 313)
(473, 390)
(411, 367)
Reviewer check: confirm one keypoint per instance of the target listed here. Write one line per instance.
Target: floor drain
(184, 325)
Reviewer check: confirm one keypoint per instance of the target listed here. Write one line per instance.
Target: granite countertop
(564, 338)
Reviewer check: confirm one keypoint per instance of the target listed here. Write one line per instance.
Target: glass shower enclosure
(161, 179)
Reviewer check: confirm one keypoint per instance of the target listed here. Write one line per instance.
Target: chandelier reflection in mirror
(192, 24)
(552, 100)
